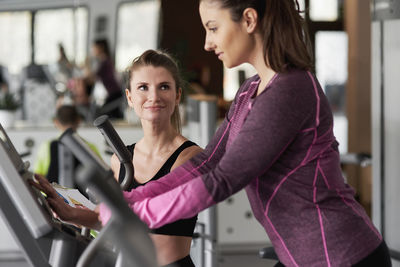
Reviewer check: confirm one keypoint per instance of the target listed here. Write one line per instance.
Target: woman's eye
(142, 88)
(214, 29)
(164, 87)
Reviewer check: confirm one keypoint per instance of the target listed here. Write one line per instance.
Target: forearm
(86, 218)
(63, 211)
(184, 201)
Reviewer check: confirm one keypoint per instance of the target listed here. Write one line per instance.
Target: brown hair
(286, 41)
(102, 44)
(159, 59)
(67, 115)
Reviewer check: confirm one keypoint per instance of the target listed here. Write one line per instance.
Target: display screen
(13, 176)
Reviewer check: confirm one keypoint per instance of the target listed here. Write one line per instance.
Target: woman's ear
(250, 19)
(129, 97)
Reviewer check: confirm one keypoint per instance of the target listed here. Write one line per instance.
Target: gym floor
(226, 258)
(224, 261)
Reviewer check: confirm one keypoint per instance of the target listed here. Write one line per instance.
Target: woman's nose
(208, 44)
(153, 94)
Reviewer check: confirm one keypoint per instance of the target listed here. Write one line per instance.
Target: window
(302, 5)
(326, 10)
(15, 53)
(331, 66)
(331, 69)
(137, 26)
(71, 33)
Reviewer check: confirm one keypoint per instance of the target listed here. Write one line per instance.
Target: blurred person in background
(47, 158)
(101, 69)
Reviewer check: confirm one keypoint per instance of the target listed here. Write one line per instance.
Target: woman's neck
(264, 72)
(158, 137)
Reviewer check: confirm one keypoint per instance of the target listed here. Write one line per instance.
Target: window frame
(315, 26)
(33, 11)
(117, 28)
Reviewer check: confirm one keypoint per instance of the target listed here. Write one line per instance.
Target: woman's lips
(154, 107)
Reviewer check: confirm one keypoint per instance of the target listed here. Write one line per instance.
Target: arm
(115, 166)
(42, 161)
(62, 210)
(104, 213)
(274, 121)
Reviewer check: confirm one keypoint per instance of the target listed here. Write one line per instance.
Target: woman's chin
(155, 119)
(229, 65)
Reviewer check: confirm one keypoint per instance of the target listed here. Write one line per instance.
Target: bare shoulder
(115, 165)
(186, 154)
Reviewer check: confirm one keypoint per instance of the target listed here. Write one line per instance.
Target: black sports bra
(184, 227)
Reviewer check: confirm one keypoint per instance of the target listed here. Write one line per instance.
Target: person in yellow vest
(47, 162)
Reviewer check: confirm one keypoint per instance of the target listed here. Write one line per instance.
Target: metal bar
(28, 244)
(382, 131)
(394, 254)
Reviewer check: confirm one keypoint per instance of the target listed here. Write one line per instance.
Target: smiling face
(230, 40)
(153, 94)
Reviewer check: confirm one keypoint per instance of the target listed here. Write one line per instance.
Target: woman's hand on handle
(57, 203)
(75, 215)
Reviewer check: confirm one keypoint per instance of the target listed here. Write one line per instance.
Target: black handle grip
(119, 148)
